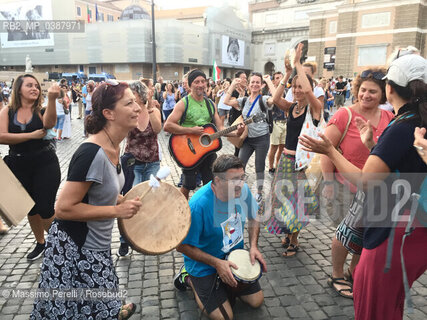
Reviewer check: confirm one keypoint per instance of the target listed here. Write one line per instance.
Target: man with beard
(218, 214)
(188, 117)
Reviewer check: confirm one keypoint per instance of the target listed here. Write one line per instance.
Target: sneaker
(271, 171)
(124, 250)
(259, 198)
(37, 252)
(179, 279)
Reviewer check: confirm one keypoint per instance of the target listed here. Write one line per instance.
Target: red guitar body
(188, 150)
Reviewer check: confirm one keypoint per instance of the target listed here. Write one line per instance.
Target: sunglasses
(109, 83)
(372, 74)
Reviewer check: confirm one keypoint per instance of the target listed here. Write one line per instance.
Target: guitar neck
(221, 133)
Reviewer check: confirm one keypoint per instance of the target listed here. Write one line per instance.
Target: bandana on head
(194, 74)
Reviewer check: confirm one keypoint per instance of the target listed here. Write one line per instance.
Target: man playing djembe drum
(218, 214)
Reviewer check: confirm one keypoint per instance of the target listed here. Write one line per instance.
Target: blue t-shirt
(217, 227)
(84, 91)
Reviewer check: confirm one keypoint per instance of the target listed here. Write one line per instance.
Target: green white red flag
(216, 72)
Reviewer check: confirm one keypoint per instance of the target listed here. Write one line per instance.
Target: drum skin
(246, 273)
(162, 222)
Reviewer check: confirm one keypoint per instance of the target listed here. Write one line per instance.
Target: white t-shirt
(88, 102)
(318, 92)
(59, 108)
(221, 104)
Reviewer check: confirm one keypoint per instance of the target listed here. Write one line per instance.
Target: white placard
(233, 51)
(25, 11)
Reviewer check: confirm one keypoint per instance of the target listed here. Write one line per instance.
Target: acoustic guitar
(188, 150)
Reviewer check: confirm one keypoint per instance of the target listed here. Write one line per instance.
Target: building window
(92, 69)
(79, 12)
(110, 17)
(89, 13)
(271, 18)
(101, 16)
(372, 55)
(81, 68)
(333, 27)
(373, 20)
(217, 47)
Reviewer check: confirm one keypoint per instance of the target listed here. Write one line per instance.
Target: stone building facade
(279, 25)
(362, 33)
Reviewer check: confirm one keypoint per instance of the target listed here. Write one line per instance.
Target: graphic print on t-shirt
(232, 232)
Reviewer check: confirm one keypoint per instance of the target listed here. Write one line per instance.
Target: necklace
(298, 109)
(118, 166)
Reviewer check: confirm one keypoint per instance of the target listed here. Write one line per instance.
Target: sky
(171, 4)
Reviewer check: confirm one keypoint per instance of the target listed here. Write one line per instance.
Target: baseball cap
(406, 69)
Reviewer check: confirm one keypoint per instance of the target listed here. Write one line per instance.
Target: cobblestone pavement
(293, 288)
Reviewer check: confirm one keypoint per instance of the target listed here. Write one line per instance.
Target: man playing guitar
(190, 120)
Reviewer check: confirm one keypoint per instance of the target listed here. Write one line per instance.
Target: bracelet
(282, 82)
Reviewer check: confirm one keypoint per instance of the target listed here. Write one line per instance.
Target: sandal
(291, 251)
(126, 311)
(342, 282)
(348, 276)
(285, 242)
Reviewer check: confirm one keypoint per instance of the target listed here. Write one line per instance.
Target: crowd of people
(380, 133)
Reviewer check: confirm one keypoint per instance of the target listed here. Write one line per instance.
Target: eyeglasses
(372, 74)
(235, 180)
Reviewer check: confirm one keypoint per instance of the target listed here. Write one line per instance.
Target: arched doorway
(269, 68)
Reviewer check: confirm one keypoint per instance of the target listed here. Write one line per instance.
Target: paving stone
(189, 315)
(169, 313)
(288, 300)
(296, 312)
(276, 311)
(333, 311)
(10, 309)
(317, 315)
(169, 303)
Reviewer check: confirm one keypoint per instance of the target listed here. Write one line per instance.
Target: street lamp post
(153, 35)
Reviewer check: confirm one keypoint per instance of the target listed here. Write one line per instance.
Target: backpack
(209, 105)
(269, 113)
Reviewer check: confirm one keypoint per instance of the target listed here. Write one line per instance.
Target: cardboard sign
(15, 202)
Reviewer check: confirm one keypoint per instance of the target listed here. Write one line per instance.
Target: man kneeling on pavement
(220, 206)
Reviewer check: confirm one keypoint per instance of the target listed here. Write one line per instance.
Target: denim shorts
(60, 121)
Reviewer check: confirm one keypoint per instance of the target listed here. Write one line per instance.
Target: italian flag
(88, 14)
(216, 71)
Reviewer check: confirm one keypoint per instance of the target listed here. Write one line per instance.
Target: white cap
(406, 69)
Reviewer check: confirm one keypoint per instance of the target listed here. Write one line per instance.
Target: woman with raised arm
(306, 110)
(258, 139)
(78, 249)
(379, 284)
(33, 160)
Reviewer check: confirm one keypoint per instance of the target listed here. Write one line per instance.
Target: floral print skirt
(67, 266)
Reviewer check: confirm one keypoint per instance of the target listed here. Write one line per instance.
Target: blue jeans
(60, 121)
(144, 170)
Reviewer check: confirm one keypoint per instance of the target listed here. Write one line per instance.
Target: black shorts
(40, 175)
(211, 301)
(205, 170)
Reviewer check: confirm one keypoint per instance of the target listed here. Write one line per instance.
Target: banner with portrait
(18, 24)
(233, 51)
